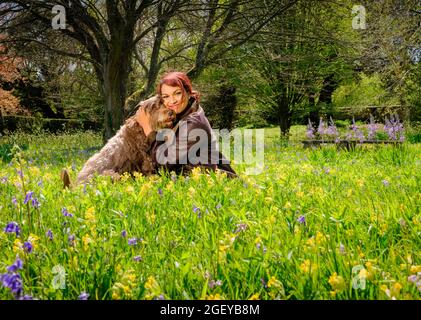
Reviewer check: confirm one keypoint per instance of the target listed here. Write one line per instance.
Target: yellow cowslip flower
(124, 177)
(170, 186)
(150, 217)
(274, 283)
(129, 189)
(90, 215)
(268, 199)
(360, 182)
(196, 173)
(287, 205)
(337, 282)
(86, 241)
(192, 192)
(349, 192)
(254, 297)
(17, 246)
(333, 293)
(147, 186)
(33, 239)
(371, 270)
(151, 283)
(300, 194)
(308, 267)
(320, 237)
(137, 175)
(394, 290)
(115, 296)
(34, 171)
(216, 296)
(415, 269)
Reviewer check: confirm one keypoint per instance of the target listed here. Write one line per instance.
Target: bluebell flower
(83, 296)
(28, 246)
(12, 227)
(137, 258)
(28, 197)
(18, 264)
(302, 219)
(49, 234)
(124, 233)
(132, 241)
(66, 213)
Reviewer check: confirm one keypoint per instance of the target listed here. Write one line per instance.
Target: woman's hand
(143, 119)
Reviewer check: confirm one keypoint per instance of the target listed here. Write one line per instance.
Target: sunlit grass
(316, 224)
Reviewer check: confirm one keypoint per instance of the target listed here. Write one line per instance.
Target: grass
(316, 224)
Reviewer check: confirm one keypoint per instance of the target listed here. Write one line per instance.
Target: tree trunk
(284, 115)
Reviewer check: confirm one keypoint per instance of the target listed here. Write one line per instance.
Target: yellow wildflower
(90, 215)
(308, 267)
(129, 189)
(34, 171)
(254, 297)
(274, 283)
(33, 239)
(300, 194)
(17, 246)
(415, 269)
(86, 241)
(151, 283)
(337, 282)
(216, 296)
(150, 217)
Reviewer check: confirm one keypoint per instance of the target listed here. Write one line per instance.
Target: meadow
(316, 224)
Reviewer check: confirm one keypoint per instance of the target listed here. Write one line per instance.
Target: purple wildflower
(332, 130)
(372, 128)
(12, 227)
(341, 248)
(35, 203)
(18, 264)
(71, 238)
(14, 201)
(4, 179)
(310, 130)
(302, 220)
(20, 173)
(160, 192)
(137, 258)
(385, 182)
(40, 183)
(241, 227)
(321, 130)
(66, 213)
(124, 233)
(13, 281)
(218, 206)
(263, 281)
(132, 241)
(28, 197)
(27, 245)
(49, 234)
(26, 297)
(160, 297)
(413, 278)
(214, 283)
(83, 296)
(197, 210)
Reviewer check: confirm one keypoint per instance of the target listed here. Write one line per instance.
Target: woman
(191, 143)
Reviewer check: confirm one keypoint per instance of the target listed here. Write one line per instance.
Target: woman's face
(173, 98)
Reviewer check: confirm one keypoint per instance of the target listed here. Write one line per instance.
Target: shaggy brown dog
(127, 150)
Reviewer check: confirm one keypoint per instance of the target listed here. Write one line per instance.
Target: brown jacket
(191, 143)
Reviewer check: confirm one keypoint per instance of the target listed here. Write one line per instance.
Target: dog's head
(160, 117)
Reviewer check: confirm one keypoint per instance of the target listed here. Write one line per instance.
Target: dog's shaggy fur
(127, 150)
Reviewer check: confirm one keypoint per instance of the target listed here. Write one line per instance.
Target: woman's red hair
(178, 79)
